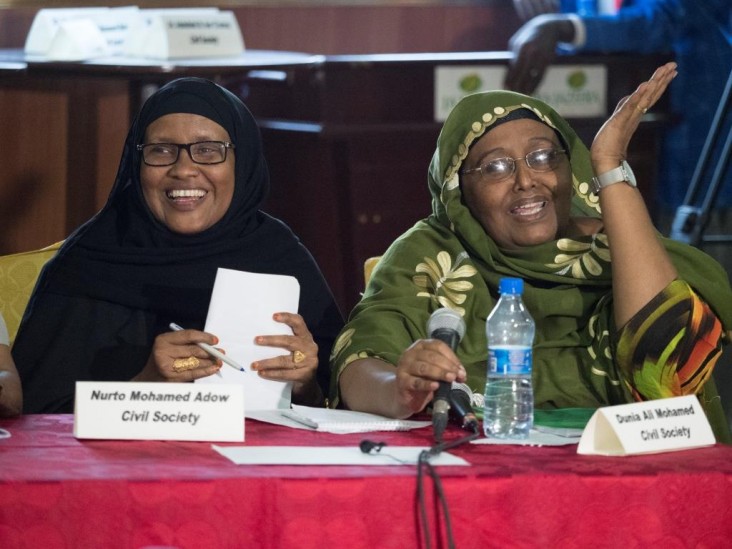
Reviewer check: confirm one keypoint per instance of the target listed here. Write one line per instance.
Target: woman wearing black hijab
(185, 202)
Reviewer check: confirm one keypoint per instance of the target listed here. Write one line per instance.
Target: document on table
(539, 436)
(241, 308)
(334, 421)
(331, 455)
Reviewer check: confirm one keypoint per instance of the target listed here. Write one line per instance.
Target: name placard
(46, 23)
(193, 33)
(575, 91)
(654, 426)
(69, 34)
(158, 411)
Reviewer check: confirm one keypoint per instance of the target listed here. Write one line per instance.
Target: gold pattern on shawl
(355, 356)
(343, 341)
(581, 259)
(441, 280)
(452, 183)
(582, 188)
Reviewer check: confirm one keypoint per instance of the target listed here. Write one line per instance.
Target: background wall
(331, 27)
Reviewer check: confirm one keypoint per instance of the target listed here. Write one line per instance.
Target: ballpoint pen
(212, 351)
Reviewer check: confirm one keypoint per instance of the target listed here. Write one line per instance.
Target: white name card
(47, 22)
(575, 91)
(77, 40)
(158, 411)
(77, 34)
(663, 425)
(192, 33)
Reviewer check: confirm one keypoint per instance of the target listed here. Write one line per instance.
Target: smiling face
(528, 207)
(187, 197)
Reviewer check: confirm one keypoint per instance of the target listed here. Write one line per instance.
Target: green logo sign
(470, 83)
(577, 80)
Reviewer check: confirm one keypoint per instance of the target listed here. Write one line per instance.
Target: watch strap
(622, 173)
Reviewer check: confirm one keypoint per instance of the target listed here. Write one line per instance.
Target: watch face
(629, 175)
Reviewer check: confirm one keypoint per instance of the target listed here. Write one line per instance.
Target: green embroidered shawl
(447, 260)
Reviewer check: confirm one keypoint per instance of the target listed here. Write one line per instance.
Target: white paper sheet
(333, 421)
(330, 455)
(536, 438)
(241, 308)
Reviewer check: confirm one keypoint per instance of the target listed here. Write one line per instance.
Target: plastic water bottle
(509, 397)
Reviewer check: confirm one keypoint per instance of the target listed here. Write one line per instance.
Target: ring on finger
(642, 110)
(297, 358)
(183, 364)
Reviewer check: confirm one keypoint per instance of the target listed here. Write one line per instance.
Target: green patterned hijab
(448, 260)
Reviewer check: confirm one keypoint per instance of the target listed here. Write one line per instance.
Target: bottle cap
(511, 286)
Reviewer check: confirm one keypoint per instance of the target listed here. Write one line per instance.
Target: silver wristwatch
(621, 173)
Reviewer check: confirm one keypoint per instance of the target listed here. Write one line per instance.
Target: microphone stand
(690, 221)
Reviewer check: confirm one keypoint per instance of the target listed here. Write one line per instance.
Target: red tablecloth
(56, 491)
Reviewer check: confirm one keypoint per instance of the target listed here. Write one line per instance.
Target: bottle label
(510, 360)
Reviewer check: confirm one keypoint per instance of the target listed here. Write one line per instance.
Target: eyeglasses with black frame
(498, 169)
(201, 152)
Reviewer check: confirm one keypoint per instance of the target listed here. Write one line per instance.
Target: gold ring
(298, 357)
(643, 110)
(183, 364)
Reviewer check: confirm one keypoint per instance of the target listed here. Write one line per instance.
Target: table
(57, 491)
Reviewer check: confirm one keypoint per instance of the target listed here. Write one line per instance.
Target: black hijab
(120, 279)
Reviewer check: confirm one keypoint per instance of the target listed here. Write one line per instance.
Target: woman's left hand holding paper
(299, 365)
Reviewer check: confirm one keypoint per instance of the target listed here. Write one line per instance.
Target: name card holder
(79, 34)
(47, 22)
(77, 40)
(650, 427)
(177, 34)
(159, 411)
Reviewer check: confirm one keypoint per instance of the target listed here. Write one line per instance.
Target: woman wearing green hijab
(513, 195)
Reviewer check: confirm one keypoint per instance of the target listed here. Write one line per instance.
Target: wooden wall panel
(335, 29)
(33, 178)
(59, 148)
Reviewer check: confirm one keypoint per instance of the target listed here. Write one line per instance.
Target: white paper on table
(330, 455)
(535, 438)
(334, 421)
(241, 308)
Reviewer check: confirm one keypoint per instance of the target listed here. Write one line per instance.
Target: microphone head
(369, 446)
(446, 319)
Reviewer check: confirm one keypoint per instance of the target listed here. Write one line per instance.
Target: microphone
(461, 408)
(449, 327)
(369, 446)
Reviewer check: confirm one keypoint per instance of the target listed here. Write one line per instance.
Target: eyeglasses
(202, 152)
(542, 160)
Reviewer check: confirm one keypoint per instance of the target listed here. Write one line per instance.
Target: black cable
(421, 503)
(424, 461)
